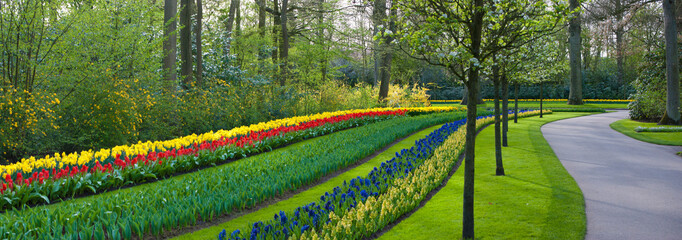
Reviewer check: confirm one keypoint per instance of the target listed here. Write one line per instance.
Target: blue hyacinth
(374, 184)
(221, 235)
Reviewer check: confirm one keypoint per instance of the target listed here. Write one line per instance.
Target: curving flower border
(44, 184)
(370, 202)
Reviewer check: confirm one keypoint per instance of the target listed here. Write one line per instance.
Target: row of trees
(467, 37)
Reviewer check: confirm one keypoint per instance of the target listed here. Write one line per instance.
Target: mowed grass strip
(548, 105)
(537, 199)
(308, 196)
(627, 127)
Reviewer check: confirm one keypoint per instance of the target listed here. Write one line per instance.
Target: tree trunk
(276, 23)
(620, 55)
(516, 103)
(541, 97)
(199, 55)
(388, 57)
(284, 45)
(186, 43)
(505, 108)
(499, 171)
(261, 18)
(378, 16)
(320, 39)
(672, 106)
(465, 94)
(229, 25)
(238, 20)
(575, 96)
(470, 144)
(170, 10)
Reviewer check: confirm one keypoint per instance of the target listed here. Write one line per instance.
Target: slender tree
(199, 54)
(672, 66)
(378, 17)
(450, 34)
(284, 45)
(505, 107)
(499, 170)
(387, 51)
(170, 11)
(186, 43)
(575, 95)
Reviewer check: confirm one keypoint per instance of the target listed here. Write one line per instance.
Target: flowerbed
(200, 196)
(365, 205)
(89, 174)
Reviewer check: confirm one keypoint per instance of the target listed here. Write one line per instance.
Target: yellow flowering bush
(24, 115)
(406, 96)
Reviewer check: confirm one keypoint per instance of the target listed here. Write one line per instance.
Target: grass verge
(310, 195)
(627, 127)
(537, 198)
(550, 105)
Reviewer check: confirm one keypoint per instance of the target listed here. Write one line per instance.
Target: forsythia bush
(24, 116)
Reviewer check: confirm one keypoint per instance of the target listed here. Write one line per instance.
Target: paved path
(632, 189)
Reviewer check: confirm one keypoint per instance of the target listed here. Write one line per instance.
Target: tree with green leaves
(170, 11)
(187, 61)
(575, 95)
(450, 34)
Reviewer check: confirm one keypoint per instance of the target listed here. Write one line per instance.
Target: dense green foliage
(651, 87)
(94, 79)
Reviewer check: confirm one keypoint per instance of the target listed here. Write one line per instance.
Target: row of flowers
(26, 165)
(548, 100)
(44, 184)
(366, 204)
(177, 202)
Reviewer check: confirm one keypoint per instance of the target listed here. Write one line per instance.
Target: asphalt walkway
(632, 189)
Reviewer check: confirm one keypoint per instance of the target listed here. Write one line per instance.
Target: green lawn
(537, 198)
(309, 195)
(551, 105)
(627, 127)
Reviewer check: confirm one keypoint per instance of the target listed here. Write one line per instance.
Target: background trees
(81, 74)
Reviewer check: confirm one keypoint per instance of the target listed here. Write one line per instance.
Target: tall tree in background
(378, 17)
(186, 43)
(229, 25)
(280, 36)
(387, 55)
(614, 16)
(321, 38)
(672, 66)
(575, 95)
(284, 45)
(199, 54)
(170, 9)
